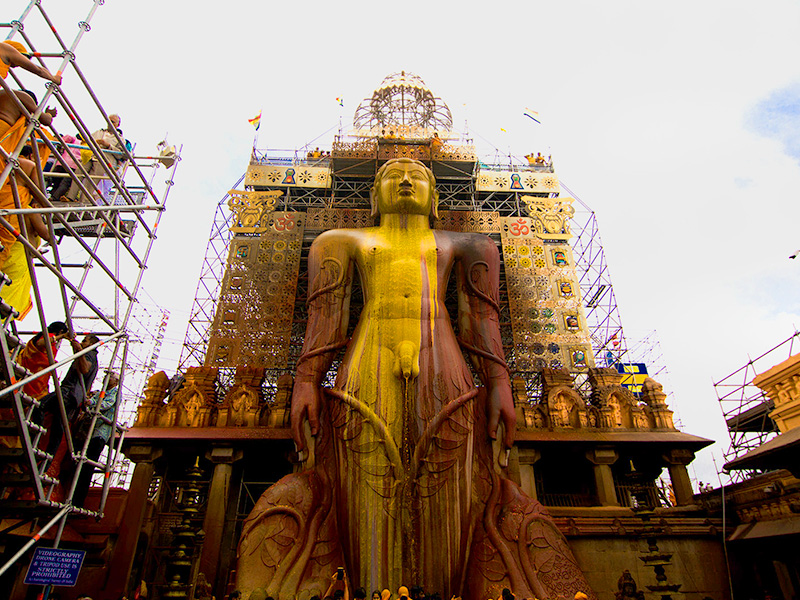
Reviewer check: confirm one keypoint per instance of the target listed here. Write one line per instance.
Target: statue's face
(404, 188)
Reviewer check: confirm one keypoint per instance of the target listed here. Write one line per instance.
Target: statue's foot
(288, 543)
(518, 546)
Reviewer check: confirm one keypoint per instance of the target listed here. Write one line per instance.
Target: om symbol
(519, 228)
(285, 223)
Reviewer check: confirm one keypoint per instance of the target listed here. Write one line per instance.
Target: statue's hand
(501, 406)
(305, 405)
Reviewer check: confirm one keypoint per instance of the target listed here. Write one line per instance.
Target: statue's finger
(510, 423)
(297, 428)
(313, 417)
(494, 421)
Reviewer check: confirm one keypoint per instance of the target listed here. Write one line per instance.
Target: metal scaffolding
(602, 314)
(88, 277)
(349, 189)
(746, 408)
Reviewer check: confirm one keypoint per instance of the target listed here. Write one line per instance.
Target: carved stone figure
(243, 404)
(627, 588)
(193, 404)
(403, 482)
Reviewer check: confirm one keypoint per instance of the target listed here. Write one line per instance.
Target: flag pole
(255, 122)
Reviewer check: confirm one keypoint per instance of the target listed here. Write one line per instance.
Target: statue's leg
(289, 545)
(517, 545)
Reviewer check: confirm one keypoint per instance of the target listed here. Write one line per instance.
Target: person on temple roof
(14, 54)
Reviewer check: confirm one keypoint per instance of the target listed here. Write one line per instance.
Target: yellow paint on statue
(400, 260)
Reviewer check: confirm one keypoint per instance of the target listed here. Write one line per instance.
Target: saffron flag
(532, 114)
(255, 121)
(340, 101)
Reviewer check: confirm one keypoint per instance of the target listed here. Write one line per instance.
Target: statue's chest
(399, 254)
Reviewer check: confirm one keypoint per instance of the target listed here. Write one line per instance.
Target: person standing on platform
(106, 140)
(102, 434)
(34, 357)
(13, 121)
(71, 157)
(76, 383)
(13, 54)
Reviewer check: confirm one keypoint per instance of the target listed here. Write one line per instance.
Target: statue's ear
(435, 204)
(373, 202)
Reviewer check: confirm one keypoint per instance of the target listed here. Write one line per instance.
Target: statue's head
(404, 186)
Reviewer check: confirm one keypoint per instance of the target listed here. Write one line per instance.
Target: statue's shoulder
(338, 236)
(471, 242)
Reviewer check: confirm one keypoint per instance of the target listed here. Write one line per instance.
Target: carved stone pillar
(602, 459)
(125, 549)
(149, 411)
(521, 404)
(223, 458)
(654, 397)
(681, 484)
(281, 408)
(527, 458)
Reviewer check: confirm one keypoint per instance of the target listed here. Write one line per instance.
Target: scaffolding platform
(745, 407)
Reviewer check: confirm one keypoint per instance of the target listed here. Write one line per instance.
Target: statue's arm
(330, 274)
(478, 272)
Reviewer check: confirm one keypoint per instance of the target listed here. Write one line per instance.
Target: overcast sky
(677, 123)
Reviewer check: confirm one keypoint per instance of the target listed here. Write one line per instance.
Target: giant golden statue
(404, 485)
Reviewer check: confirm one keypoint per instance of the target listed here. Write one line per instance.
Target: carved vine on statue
(403, 482)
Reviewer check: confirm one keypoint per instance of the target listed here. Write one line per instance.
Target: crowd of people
(537, 160)
(35, 161)
(317, 153)
(338, 590)
(80, 402)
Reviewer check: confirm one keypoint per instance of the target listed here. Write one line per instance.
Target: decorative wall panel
(547, 319)
(469, 221)
(322, 219)
(522, 181)
(288, 176)
(254, 313)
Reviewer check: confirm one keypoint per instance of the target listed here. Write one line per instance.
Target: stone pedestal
(602, 459)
